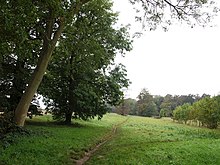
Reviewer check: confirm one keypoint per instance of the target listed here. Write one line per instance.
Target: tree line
(206, 111)
(155, 105)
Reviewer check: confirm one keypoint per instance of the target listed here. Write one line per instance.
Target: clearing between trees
(115, 139)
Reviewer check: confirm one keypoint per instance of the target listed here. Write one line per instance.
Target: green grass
(55, 144)
(138, 141)
(153, 141)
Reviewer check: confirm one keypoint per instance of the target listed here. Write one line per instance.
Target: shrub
(182, 113)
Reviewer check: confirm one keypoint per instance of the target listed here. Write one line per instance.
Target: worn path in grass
(105, 139)
(148, 141)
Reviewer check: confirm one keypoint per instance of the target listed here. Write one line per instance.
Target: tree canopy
(81, 79)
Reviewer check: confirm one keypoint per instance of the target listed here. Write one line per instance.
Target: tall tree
(168, 105)
(146, 105)
(80, 69)
(128, 106)
(158, 100)
(207, 111)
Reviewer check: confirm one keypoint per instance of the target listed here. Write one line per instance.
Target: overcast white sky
(180, 61)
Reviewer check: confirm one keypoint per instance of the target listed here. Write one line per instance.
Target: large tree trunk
(23, 105)
(48, 47)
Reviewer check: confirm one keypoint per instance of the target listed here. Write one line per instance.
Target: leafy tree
(208, 111)
(182, 99)
(177, 113)
(158, 101)
(146, 105)
(40, 24)
(13, 80)
(80, 69)
(182, 113)
(165, 113)
(128, 106)
(18, 53)
(168, 105)
(132, 104)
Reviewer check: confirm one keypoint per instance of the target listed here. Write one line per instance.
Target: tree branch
(174, 7)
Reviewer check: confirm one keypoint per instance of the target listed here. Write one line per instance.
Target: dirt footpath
(90, 153)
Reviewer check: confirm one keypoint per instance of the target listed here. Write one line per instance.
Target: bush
(208, 110)
(9, 131)
(7, 125)
(182, 113)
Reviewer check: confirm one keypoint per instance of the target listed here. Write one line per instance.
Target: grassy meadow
(160, 141)
(137, 141)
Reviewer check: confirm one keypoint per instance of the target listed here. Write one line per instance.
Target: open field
(137, 141)
(152, 141)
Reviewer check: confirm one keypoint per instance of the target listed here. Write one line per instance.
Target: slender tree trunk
(45, 56)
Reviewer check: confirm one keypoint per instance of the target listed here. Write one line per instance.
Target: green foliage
(128, 106)
(22, 28)
(206, 111)
(164, 106)
(168, 105)
(158, 101)
(9, 131)
(82, 79)
(182, 113)
(165, 113)
(29, 31)
(6, 123)
(14, 76)
(146, 105)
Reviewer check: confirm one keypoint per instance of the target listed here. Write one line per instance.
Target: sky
(181, 61)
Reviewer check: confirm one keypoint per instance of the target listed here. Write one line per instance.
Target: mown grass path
(105, 139)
